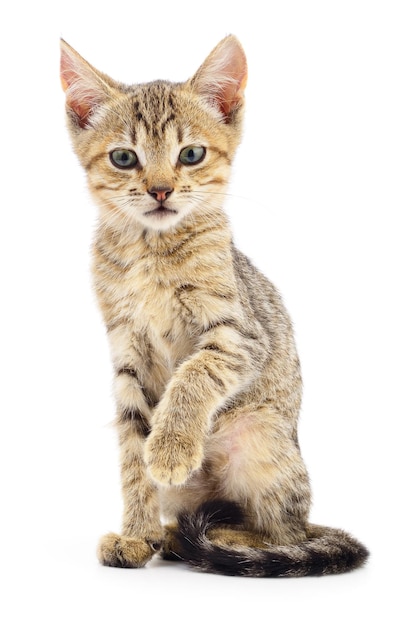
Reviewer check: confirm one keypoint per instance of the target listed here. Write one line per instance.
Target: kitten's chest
(169, 295)
(158, 312)
(144, 297)
(157, 308)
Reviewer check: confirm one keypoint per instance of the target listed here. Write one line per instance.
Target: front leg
(141, 533)
(173, 450)
(221, 367)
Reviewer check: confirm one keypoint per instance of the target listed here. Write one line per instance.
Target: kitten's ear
(222, 77)
(85, 88)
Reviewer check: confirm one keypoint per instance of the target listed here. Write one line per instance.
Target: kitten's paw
(121, 551)
(171, 458)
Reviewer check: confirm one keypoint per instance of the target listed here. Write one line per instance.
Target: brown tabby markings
(207, 378)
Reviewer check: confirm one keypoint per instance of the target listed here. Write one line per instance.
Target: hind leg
(251, 459)
(257, 464)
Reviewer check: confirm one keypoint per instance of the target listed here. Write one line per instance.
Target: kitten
(207, 378)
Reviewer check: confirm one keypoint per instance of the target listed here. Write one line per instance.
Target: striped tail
(326, 551)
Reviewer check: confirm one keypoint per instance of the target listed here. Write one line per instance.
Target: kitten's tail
(326, 551)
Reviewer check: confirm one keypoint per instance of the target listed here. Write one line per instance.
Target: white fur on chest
(147, 306)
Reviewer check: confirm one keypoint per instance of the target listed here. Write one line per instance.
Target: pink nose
(160, 193)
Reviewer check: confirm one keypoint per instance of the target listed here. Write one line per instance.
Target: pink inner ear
(233, 91)
(83, 92)
(223, 76)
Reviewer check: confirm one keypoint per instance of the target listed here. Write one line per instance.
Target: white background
(314, 199)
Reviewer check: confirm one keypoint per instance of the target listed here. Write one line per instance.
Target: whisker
(234, 196)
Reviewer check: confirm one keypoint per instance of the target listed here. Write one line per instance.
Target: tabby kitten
(207, 378)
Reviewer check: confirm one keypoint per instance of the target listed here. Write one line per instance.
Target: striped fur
(207, 378)
(325, 551)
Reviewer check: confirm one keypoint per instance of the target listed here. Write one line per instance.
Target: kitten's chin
(161, 219)
(160, 213)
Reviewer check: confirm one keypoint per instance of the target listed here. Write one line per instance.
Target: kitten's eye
(192, 155)
(124, 159)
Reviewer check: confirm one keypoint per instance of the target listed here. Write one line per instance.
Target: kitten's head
(159, 153)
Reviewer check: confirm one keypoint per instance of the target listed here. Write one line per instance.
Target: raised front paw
(121, 551)
(172, 457)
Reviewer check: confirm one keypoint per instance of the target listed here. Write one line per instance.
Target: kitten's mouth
(161, 211)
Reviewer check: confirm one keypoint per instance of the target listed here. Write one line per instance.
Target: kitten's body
(207, 379)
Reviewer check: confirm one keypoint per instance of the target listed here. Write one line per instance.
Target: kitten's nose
(160, 193)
